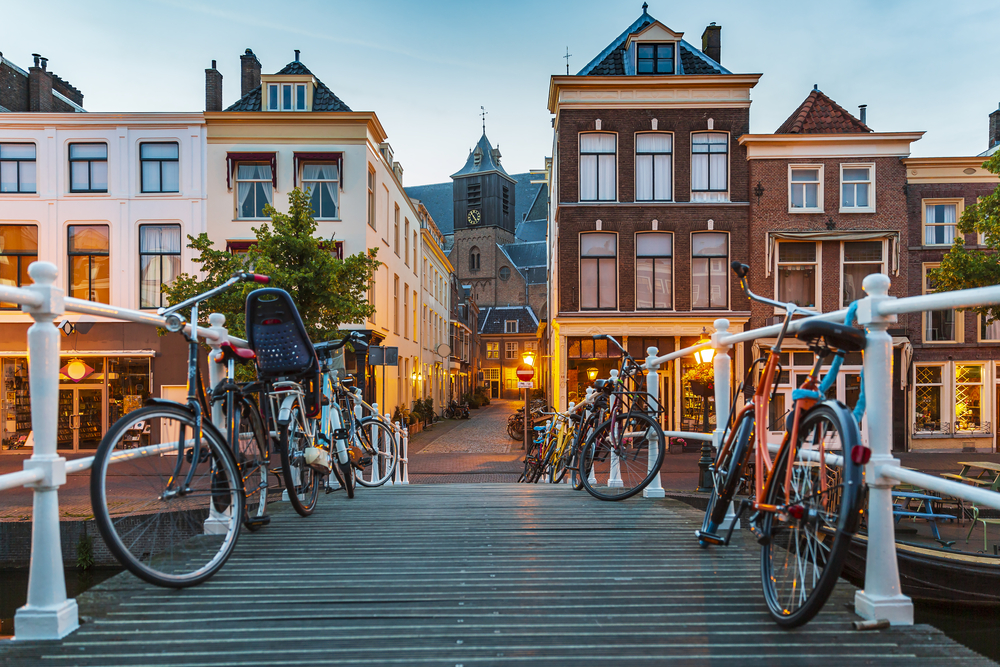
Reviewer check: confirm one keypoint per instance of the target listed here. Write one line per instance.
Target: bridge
(455, 574)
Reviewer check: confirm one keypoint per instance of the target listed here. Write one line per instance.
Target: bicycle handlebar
(741, 271)
(241, 276)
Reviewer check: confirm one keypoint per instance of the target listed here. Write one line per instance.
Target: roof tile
(819, 114)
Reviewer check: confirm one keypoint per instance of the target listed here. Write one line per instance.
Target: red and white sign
(525, 372)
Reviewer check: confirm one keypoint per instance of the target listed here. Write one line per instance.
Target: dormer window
(286, 97)
(654, 59)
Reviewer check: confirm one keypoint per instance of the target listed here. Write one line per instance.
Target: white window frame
(492, 350)
(959, 319)
(819, 190)
(959, 204)
(636, 153)
(949, 398)
(871, 188)
(508, 329)
(979, 334)
(673, 286)
(279, 88)
(335, 181)
(843, 262)
(692, 257)
(711, 196)
(817, 277)
(580, 155)
(945, 416)
(511, 350)
(579, 277)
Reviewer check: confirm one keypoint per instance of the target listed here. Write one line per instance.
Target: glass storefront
(94, 391)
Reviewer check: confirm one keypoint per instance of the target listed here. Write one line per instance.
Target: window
(861, 259)
(805, 189)
(989, 331)
(371, 197)
(415, 246)
(654, 59)
(253, 189)
(939, 325)
(510, 326)
(856, 192)
(709, 271)
(492, 350)
(406, 310)
(474, 259)
(653, 153)
(968, 397)
(654, 271)
(321, 182)
(928, 390)
(159, 262)
(160, 167)
(89, 263)
(939, 222)
(88, 167)
(18, 249)
(796, 273)
(371, 299)
(510, 350)
(598, 271)
(530, 346)
(17, 168)
(414, 316)
(504, 273)
(709, 166)
(395, 232)
(597, 167)
(938, 387)
(286, 97)
(395, 304)
(406, 241)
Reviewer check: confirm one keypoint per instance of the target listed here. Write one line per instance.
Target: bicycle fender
(285, 411)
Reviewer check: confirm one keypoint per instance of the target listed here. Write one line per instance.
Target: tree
(328, 292)
(963, 268)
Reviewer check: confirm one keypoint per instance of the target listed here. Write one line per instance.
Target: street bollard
(655, 488)
(47, 613)
(404, 460)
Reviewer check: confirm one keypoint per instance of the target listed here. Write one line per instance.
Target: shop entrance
(81, 419)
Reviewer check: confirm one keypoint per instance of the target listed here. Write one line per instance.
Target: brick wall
(13, 89)
(486, 286)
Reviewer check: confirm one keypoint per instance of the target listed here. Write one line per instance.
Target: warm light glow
(529, 357)
(76, 370)
(591, 374)
(706, 355)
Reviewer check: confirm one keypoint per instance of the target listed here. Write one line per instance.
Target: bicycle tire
(383, 450)
(726, 475)
(301, 481)
(253, 461)
(623, 436)
(168, 540)
(818, 543)
(344, 472)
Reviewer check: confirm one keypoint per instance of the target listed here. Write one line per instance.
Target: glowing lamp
(591, 374)
(529, 357)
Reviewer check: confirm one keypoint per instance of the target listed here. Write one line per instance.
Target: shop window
(968, 397)
(18, 249)
(928, 389)
(89, 263)
(796, 273)
(654, 271)
(709, 271)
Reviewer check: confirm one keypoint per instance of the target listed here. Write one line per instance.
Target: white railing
(881, 597)
(48, 614)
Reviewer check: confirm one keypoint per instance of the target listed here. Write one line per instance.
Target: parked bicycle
(806, 501)
(170, 512)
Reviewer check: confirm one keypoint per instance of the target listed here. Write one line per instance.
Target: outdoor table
(988, 475)
(926, 502)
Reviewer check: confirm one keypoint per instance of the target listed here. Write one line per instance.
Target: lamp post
(528, 357)
(704, 479)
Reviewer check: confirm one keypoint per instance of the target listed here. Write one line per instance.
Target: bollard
(615, 476)
(591, 478)
(655, 487)
(722, 399)
(374, 442)
(47, 613)
(882, 596)
(217, 522)
(404, 460)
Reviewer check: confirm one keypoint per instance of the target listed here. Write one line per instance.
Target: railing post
(655, 488)
(882, 596)
(217, 522)
(47, 613)
(404, 460)
(591, 478)
(615, 477)
(722, 398)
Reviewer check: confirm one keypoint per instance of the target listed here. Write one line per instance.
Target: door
(81, 418)
(495, 388)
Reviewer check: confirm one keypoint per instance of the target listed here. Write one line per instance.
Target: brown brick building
(651, 200)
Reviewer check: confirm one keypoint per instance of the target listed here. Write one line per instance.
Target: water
(974, 627)
(14, 590)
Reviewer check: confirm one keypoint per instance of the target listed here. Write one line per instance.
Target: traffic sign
(530, 384)
(525, 372)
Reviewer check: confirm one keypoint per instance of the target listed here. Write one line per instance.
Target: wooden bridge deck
(463, 575)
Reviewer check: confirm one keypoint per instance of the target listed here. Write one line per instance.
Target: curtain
(608, 286)
(644, 177)
(699, 171)
(594, 142)
(160, 239)
(718, 171)
(661, 175)
(797, 283)
(606, 177)
(588, 177)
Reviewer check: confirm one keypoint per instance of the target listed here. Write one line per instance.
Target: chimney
(296, 55)
(711, 42)
(995, 128)
(39, 86)
(250, 67)
(213, 89)
(863, 108)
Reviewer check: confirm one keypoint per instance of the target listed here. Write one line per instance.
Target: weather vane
(568, 54)
(482, 113)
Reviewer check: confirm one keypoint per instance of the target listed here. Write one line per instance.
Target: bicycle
(805, 508)
(332, 434)
(170, 512)
(373, 446)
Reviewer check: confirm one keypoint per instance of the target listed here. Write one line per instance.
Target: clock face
(474, 217)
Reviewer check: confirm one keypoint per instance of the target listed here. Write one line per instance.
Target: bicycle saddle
(821, 336)
(240, 355)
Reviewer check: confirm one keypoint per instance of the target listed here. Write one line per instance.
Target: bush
(472, 400)
(482, 395)
(538, 394)
(423, 409)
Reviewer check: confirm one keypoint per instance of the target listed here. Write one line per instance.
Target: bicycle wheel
(381, 453)
(726, 474)
(805, 545)
(616, 456)
(252, 459)
(560, 464)
(345, 473)
(301, 481)
(161, 536)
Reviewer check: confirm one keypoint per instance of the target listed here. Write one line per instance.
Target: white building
(435, 307)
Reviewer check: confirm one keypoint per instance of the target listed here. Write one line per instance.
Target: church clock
(474, 217)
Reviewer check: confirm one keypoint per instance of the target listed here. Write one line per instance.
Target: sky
(427, 67)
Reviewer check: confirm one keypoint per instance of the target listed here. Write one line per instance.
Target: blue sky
(426, 67)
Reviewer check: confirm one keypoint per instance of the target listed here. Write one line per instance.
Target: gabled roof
(529, 259)
(323, 97)
(819, 114)
(493, 320)
(481, 160)
(611, 61)
(439, 200)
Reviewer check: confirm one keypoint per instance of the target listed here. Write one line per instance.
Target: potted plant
(701, 380)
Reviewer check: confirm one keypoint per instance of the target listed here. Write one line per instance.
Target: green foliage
(472, 400)
(328, 292)
(423, 409)
(85, 552)
(963, 268)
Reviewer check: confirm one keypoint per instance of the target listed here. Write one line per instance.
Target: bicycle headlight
(174, 323)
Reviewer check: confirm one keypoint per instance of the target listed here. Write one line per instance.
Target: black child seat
(284, 352)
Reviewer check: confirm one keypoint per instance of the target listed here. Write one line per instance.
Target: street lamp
(592, 374)
(705, 481)
(528, 357)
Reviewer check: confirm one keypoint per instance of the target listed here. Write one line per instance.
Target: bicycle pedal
(759, 535)
(710, 538)
(258, 521)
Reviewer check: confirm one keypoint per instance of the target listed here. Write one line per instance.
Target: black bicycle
(170, 512)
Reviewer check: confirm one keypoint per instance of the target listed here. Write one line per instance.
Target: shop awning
(774, 237)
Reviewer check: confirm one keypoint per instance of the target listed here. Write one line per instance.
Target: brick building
(828, 208)
(650, 204)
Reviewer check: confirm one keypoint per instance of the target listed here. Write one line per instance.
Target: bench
(899, 511)
(968, 480)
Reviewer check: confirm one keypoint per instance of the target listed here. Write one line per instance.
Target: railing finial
(216, 320)
(876, 284)
(43, 273)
